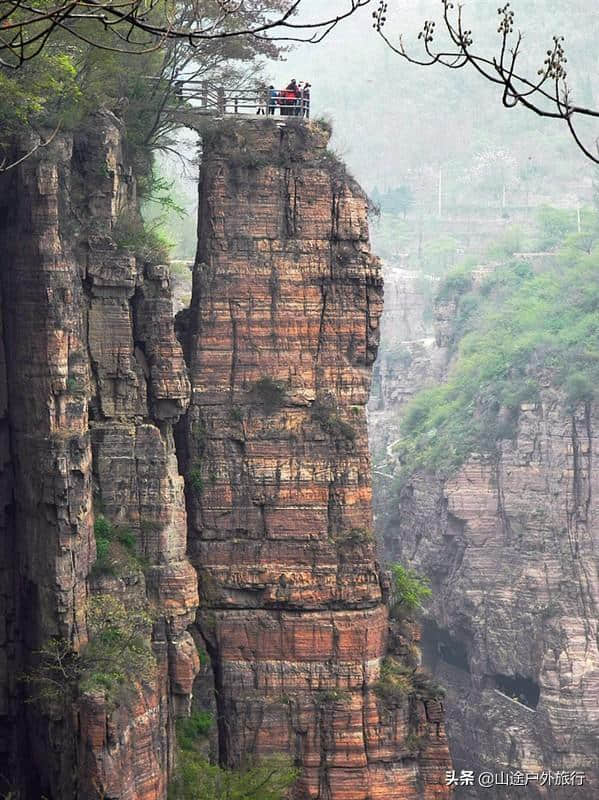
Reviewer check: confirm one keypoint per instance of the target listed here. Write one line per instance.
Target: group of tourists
(293, 100)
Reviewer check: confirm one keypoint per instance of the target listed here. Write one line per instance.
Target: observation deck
(205, 99)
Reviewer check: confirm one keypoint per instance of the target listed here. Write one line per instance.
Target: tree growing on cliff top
(81, 67)
(29, 30)
(141, 26)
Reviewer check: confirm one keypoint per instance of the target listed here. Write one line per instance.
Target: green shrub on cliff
(409, 591)
(580, 388)
(326, 412)
(117, 656)
(398, 683)
(146, 243)
(270, 394)
(196, 478)
(195, 777)
(115, 548)
(325, 123)
(395, 681)
(524, 324)
(455, 283)
(190, 729)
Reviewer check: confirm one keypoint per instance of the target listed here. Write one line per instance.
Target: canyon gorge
(508, 542)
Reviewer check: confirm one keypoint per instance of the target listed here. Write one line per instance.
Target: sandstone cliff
(510, 545)
(92, 381)
(280, 341)
(274, 513)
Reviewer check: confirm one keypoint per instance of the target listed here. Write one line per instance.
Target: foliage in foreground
(516, 324)
(195, 777)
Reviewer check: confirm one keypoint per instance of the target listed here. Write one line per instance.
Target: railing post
(205, 95)
(221, 100)
(236, 104)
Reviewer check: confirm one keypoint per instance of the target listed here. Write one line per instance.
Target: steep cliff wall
(276, 514)
(407, 357)
(280, 341)
(510, 545)
(92, 381)
(511, 548)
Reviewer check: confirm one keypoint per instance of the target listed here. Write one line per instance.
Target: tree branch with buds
(547, 95)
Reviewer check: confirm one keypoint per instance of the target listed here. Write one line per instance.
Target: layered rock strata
(280, 341)
(511, 548)
(510, 545)
(93, 380)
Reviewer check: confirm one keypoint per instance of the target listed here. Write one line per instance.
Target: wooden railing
(208, 98)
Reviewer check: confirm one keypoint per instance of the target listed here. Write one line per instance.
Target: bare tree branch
(25, 27)
(6, 164)
(547, 96)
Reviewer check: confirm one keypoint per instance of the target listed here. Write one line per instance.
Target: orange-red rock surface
(276, 513)
(280, 341)
(92, 380)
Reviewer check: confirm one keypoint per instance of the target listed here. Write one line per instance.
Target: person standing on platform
(306, 100)
(291, 95)
(272, 99)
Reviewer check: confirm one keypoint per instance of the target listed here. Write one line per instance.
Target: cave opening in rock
(517, 687)
(454, 652)
(440, 645)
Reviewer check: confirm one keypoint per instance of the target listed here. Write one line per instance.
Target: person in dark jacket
(272, 99)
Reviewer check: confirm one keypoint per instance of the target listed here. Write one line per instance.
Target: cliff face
(280, 341)
(97, 430)
(511, 549)
(409, 359)
(92, 381)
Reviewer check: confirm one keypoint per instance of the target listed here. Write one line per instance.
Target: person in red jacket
(290, 97)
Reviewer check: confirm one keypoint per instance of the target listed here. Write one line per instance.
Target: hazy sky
(389, 115)
(396, 123)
